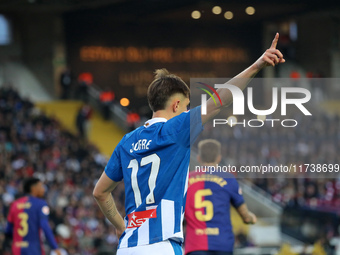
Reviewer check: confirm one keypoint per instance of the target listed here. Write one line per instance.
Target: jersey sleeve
(185, 128)
(235, 193)
(44, 211)
(9, 229)
(113, 168)
(44, 225)
(48, 234)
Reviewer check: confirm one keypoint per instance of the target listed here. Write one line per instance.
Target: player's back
(207, 212)
(154, 165)
(25, 215)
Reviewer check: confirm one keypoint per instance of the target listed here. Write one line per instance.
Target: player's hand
(253, 218)
(119, 232)
(271, 57)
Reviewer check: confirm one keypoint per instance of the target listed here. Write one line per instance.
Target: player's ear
(218, 159)
(175, 105)
(199, 159)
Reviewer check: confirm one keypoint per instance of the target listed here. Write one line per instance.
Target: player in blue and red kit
(207, 212)
(153, 161)
(27, 218)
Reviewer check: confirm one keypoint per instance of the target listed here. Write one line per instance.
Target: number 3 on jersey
(155, 161)
(23, 224)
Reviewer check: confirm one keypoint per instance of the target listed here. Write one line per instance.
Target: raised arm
(270, 57)
(103, 196)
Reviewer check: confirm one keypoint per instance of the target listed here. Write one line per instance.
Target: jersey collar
(153, 121)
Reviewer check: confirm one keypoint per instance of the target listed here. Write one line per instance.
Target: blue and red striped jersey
(207, 212)
(27, 219)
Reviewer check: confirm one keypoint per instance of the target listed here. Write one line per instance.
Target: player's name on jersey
(142, 144)
(207, 231)
(207, 177)
(24, 205)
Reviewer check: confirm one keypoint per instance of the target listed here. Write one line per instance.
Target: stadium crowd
(32, 144)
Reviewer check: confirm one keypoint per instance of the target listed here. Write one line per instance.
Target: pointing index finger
(274, 43)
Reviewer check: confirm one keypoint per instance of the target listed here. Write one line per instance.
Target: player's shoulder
(228, 177)
(183, 115)
(40, 205)
(130, 135)
(232, 183)
(184, 118)
(39, 202)
(19, 200)
(14, 204)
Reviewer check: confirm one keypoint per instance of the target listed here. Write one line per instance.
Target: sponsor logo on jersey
(21, 244)
(136, 219)
(207, 231)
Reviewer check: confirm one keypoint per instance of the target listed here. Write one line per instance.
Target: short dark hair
(163, 87)
(28, 183)
(209, 150)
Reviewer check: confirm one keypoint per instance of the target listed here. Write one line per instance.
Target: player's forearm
(109, 209)
(270, 57)
(48, 234)
(247, 216)
(241, 81)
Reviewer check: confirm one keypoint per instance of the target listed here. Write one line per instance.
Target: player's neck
(209, 164)
(33, 195)
(162, 114)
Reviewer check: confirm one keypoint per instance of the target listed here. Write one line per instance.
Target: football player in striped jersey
(153, 161)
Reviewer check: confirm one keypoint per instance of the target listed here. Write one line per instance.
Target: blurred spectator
(106, 99)
(295, 75)
(65, 83)
(83, 120)
(133, 120)
(84, 81)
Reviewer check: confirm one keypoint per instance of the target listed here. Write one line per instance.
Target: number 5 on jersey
(155, 161)
(201, 203)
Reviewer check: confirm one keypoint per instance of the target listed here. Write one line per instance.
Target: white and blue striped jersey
(153, 160)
